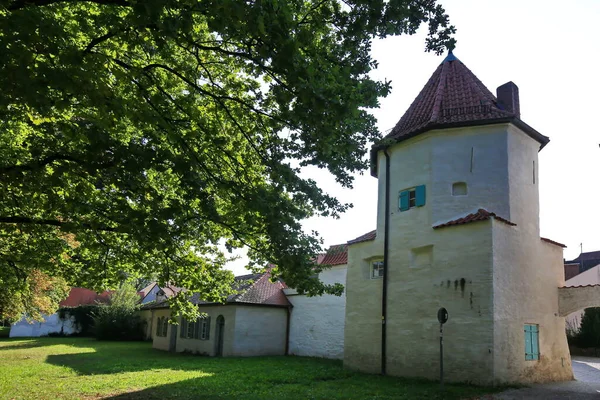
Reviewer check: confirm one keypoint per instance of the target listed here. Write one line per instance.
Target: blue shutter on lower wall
(403, 202)
(528, 345)
(420, 196)
(532, 351)
(535, 341)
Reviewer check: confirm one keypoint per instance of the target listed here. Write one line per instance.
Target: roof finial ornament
(450, 56)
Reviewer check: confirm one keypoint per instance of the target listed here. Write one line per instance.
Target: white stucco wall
(51, 324)
(259, 331)
(527, 275)
(209, 346)
(524, 193)
(491, 277)
(440, 158)
(317, 323)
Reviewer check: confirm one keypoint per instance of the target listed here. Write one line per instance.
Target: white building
(317, 323)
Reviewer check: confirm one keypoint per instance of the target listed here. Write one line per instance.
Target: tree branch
(54, 222)
(20, 4)
(49, 160)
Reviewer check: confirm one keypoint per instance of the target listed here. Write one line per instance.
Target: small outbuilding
(253, 322)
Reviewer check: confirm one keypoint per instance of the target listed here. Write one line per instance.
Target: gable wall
(317, 323)
(151, 295)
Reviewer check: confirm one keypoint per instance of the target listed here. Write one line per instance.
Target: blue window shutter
(535, 351)
(420, 196)
(403, 203)
(528, 343)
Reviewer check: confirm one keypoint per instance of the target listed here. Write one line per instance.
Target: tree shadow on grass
(167, 375)
(22, 343)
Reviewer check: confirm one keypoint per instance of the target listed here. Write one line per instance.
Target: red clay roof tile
(82, 296)
(480, 215)
(364, 238)
(336, 255)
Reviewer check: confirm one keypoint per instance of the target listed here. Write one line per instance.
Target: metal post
(442, 356)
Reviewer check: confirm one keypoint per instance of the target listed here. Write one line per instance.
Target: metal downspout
(385, 263)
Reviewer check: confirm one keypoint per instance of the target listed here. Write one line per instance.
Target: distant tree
(153, 131)
(31, 295)
(589, 330)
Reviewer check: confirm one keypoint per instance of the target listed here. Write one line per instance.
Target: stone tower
(457, 227)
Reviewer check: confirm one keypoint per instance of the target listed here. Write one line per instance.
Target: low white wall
(317, 323)
(52, 324)
(259, 331)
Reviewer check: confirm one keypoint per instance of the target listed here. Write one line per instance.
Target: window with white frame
(377, 269)
(198, 329)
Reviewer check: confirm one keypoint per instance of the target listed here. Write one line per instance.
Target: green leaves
(149, 132)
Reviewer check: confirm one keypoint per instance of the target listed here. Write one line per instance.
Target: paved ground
(586, 386)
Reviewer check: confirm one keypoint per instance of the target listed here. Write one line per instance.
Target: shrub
(119, 320)
(83, 317)
(589, 331)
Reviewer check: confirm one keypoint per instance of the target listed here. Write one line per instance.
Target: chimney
(571, 270)
(508, 98)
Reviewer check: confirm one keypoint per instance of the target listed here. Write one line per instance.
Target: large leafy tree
(153, 133)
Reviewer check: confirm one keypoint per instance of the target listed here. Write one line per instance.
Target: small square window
(377, 269)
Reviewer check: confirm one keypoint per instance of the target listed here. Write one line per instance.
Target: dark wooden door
(173, 338)
(220, 335)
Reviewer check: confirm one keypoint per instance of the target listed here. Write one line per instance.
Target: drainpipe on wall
(386, 229)
(151, 334)
(287, 331)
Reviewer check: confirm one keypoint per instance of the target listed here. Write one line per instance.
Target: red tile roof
(336, 255)
(82, 296)
(552, 242)
(265, 292)
(453, 97)
(364, 238)
(480, 215)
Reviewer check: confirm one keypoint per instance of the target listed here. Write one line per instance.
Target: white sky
(551, 50)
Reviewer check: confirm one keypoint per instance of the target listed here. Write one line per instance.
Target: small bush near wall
(588, 335)
(120, 319)
(83, 318)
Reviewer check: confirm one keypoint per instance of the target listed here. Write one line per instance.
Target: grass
(70, 368)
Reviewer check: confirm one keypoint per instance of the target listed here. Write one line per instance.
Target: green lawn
(70, 368)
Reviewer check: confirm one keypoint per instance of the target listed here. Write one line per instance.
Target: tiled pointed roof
(452, 94)
(453, 97)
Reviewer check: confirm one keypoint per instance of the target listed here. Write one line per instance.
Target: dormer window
(413, 197)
